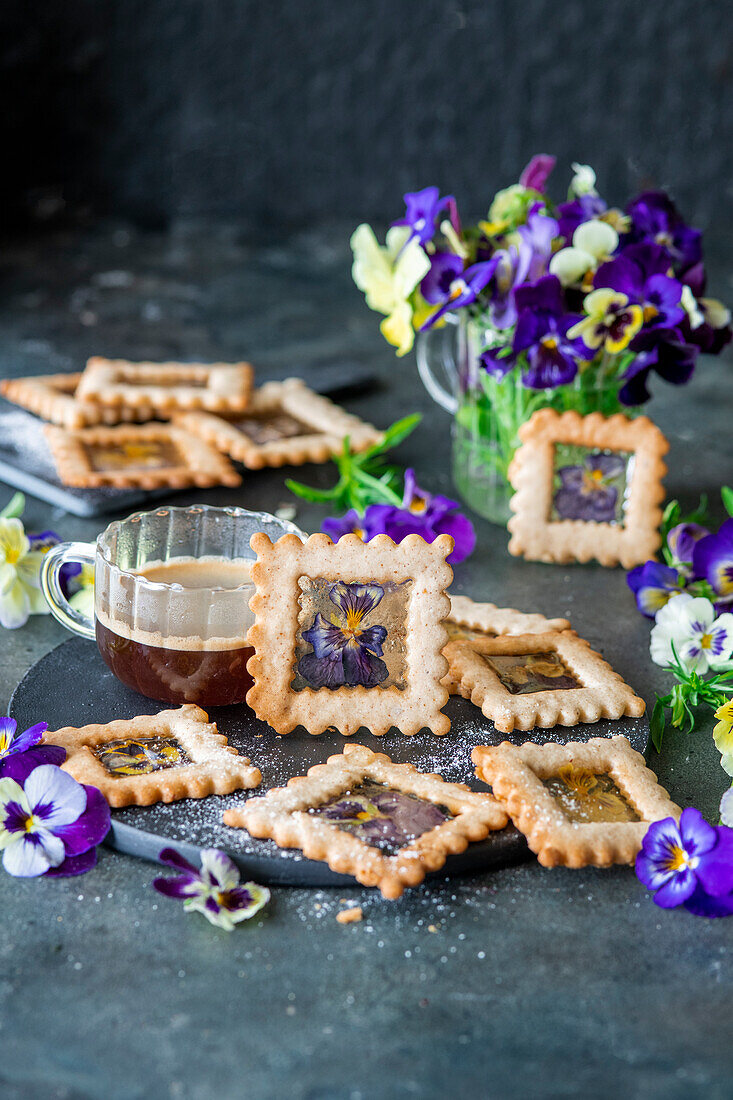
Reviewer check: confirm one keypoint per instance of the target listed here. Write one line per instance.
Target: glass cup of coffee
(171, 599)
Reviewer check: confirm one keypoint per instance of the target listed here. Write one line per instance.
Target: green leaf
(727, 494)
(14, 508)
(307, 492)
(657, 725)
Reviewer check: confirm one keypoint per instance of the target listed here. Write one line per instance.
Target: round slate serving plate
(71, 686)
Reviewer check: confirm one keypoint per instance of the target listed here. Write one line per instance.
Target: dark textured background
(305, 109)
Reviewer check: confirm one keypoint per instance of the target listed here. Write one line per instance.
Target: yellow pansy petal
(629, 332)
(723, 736)
(397, 329)
(412, 266)
(725, 711)
(396, 239)
(14, 542)
(14, 606)
(598, 301)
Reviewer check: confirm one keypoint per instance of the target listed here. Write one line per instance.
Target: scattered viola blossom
(28, 742)
(49, 824)
(637, 275)
(420, 513)
(214, 890)
(20, 573)
(689, 864)
(723, 736)
(688, 631)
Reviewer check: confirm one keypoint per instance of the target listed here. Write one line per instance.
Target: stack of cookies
(154, 425)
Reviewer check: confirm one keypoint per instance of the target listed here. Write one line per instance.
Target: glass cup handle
(77, 553)
(437, 344)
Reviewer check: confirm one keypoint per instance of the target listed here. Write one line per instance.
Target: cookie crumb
(349, 916)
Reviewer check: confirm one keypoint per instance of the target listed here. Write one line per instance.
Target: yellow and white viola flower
(611, 323)
(594, 242)
(723, 736)
(20, 568)
(388, 274)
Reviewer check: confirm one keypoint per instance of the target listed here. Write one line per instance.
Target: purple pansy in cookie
(586, 492)
(689, 864)
(381, 817)
(49, 823)
(215, 890)
(345, 652)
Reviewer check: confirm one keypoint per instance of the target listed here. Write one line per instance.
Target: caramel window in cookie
(523, 674)
(586, 797)
(149, 454)
(382, 817)
(270, 429)
(141, 755)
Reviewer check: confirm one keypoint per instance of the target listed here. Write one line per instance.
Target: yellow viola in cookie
(388, 274)
(611, 323)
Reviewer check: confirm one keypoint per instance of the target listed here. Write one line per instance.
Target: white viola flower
(20, 569)
(714, 312)
(687, 627)
(388, 274)
(593, 243)
(584, 180)
(726, 808)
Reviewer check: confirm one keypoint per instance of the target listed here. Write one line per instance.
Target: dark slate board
(26, 462)
(71, 686)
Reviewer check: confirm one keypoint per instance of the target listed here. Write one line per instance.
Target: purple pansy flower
(445, 267)
(582, 209)
(689, 864)
(428, 515)
(352, 523)
(538, 171)
(541, 333)
(654, 585)
(654, 217)
(214, 890)
(345, 652)
(521, 263)
(28, 743)
(712, 560)
(681, 542)
(422, 211)
(641, 273)
(49, 823)
(586, 492)
(663, 352)
(463, 289)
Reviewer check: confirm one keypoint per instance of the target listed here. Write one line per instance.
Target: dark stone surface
(304, 109)
(534, 983)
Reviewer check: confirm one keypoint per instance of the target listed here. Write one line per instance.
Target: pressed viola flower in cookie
(349, 634)
(166, 387)
(148, 455)
(285, 424)
(468, 619)
(587, 487)
(577, 804)
(386, 824)
(155, 758)
(526, 680)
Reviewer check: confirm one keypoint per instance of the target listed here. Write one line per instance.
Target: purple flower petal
(698, 837)
(28, 738)
(678, 888)
(90, 828)
(715, 870)
(702, 905)
(712, 559)
(178, 886)
(74, 865)
(171, 858)
(18, 766)
(463, 533)
(320, 672)
(653, 585)
(362, 668)
(537, 172)
(356, 600)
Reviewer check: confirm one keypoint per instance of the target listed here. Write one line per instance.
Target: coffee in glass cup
(171, 600)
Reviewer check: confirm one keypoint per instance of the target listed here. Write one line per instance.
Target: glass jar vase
(488, 412)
